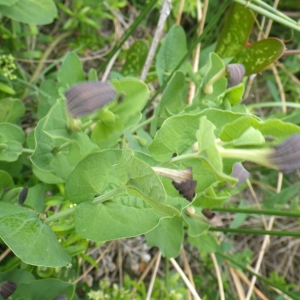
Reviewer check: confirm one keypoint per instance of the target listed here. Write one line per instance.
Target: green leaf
(30, 239)
(5, 87)
(55, 155)
(167, 236)
(178, 133)
(210, 201)
(11, 139)
(272, 127)
(280, 199)
(207, 145)
(251, 136)
(206, 243)
(12, 132)
(214, 66)
(146, 184)
(37, 12)
(135, 59)
(235, 94)
(235, 33)
(18, 276)
(171, 99)
(35, 197)
(6, 181)
(8, 2)
(70, 71)
(11, 110)
(195, 226)
(94, 175)
(13, 168)
(44, 289)
(136, 95)
(171, 52)
(125, 216)
(47, 97)
(256, 57)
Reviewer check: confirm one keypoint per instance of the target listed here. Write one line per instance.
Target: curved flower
(84, 98)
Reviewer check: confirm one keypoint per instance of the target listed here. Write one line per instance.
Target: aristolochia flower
(85, 98)
(284, 157)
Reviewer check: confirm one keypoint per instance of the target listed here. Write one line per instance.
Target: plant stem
(97, 200)
(272, 16)
(259, 156)
(141, 125)
(274, 104)
(268, 212)
(253, 231)
(26, 150)
(184, 157)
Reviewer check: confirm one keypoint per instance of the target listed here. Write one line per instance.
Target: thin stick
(247, 281)
(92, 267)
(185, 279)
(256, 201)
(187, 269)
(3, 255)
(219, 278)
(264, 245)
(237, 283)
(180, 10)
(280, 86)
(150, 265)
(150, 288)
(270, 23)
(120, 259)
(165, 11)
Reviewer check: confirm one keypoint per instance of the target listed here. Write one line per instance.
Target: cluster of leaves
(102, 174)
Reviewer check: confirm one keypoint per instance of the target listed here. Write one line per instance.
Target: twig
(237, 283)
(3, 255)
(179, 15)
(196, 54)
(256, 201)
(187, 269)
(264, 245)
(185, 279)
(165, 11)
(154, 259)
(150, 288)
(218, 273)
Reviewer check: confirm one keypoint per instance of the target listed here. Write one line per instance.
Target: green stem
(258, 156)
(268, 212)
(184, 157)
(109, 195)
(271, 16)
(28, 151)
(97, 200)
(274, 104)
(258, 232)
(141, 125)
(61, 147)
(208, 87)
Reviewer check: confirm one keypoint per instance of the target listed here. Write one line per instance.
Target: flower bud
(236, 73)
